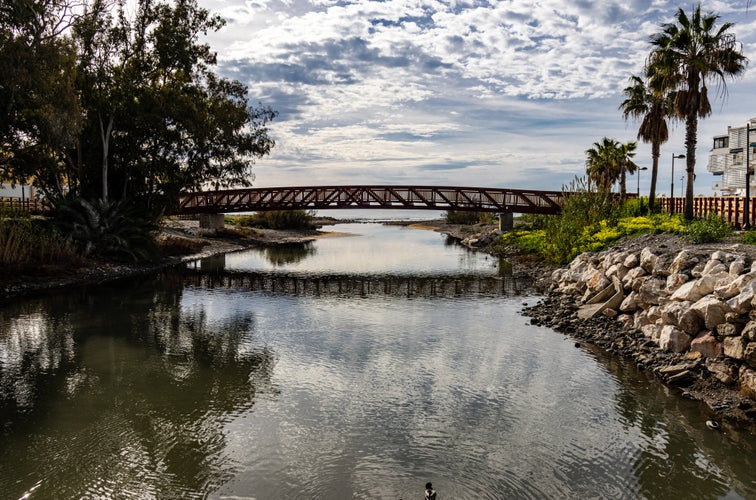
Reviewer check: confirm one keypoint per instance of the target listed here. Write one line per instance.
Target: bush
(710, 229)
(111, 229)
(275, 219)
(749, 237)
(463, 217)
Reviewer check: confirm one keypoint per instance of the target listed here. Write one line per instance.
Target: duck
(712, 424)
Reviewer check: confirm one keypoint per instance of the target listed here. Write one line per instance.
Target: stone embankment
(684, 312)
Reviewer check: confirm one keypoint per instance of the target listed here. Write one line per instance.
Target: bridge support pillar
(506, 221)
(211, 221)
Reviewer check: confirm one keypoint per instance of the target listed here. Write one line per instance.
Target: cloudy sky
(472, 93)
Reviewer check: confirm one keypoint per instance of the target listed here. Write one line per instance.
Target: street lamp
(637, 190)
(672, 185)
(747, 208)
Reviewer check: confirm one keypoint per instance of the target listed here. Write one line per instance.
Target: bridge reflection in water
(210, 274)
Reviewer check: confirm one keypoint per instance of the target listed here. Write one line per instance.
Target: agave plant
(111, 229)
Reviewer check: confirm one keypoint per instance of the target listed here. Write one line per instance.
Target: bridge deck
(399, 197)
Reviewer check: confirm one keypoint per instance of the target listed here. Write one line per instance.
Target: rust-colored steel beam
(400, 197)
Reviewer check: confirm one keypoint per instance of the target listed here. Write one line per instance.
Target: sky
(459, 93)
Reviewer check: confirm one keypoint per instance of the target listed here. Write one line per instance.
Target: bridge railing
(399, 197)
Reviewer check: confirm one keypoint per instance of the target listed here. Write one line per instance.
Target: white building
(728, 159)
(19, 191)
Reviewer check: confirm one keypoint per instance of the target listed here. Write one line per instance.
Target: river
(359, 366)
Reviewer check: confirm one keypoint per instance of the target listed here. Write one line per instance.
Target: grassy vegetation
(275, 219)
(591, 221)
(469, 218)
(27, 244)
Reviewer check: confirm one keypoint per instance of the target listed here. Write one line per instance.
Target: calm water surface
(352, 367)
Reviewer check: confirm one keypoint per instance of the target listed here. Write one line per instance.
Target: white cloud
(478, 92)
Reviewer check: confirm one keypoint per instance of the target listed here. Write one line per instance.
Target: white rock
(684, 260)
(648, 259)
(714, 267)
(651, 331)
(629, 280)
(747, 381)
(630, 304)
(673, 339)
(711, 310)
(631, 261)
(651, 292)
(743, 301)
(734, 347)
(737, 266)
(674, 281)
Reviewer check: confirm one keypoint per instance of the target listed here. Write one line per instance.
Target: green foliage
(710, 229)
(108, 229)
(275, 219)
(465, 217)
(749, 237)
(590, 221)
(120, 101)
(27, 244)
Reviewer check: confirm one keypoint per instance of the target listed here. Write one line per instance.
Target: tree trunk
(655, 146)
(691, 133)
(105, 137)
(623, 186)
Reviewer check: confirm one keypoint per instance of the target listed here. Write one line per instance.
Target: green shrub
(710, 229)
(111, 229)
(463, 217)
(275, 219)
(749, 237)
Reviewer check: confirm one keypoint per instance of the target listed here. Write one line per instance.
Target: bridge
(475, 199)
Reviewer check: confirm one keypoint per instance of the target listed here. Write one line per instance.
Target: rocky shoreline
(680, 311)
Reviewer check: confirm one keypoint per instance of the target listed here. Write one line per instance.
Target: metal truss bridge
(502, 201)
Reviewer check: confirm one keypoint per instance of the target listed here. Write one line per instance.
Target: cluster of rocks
(688, 314)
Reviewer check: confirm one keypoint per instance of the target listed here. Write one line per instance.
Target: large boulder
(749, 331)
(651, 292)
(648, 260)
(711, 310)
(674, 281)
(673, 339)
(684, 261)
(747, 381)
(681, 315)
(734, 347)
(707, 345)
(743, 301)
(749, 355)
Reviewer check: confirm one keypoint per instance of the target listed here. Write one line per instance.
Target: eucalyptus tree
(40, 114)
(647, 101)
(158, 119)
(688, 55)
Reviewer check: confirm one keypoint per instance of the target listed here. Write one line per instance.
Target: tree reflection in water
(289, 253)
(132, 400)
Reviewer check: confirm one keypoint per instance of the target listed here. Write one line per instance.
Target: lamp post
(637, 190)
(672, 185)
(747, 208)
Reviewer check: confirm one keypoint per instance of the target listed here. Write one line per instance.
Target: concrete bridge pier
(506, 221)
(211, 221)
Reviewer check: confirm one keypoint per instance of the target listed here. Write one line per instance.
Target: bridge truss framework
(503, 201)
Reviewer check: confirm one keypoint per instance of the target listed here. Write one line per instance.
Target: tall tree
(39, 107)
(649, 102)
(158, 119)
(687, 55)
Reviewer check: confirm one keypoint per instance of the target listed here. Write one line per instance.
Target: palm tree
(687, 55)
(626, 165)
(652, 105)
(601, 163)
(609, 161)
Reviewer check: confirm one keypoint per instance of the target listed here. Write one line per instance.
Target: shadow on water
(289, 253)
(133, 398)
